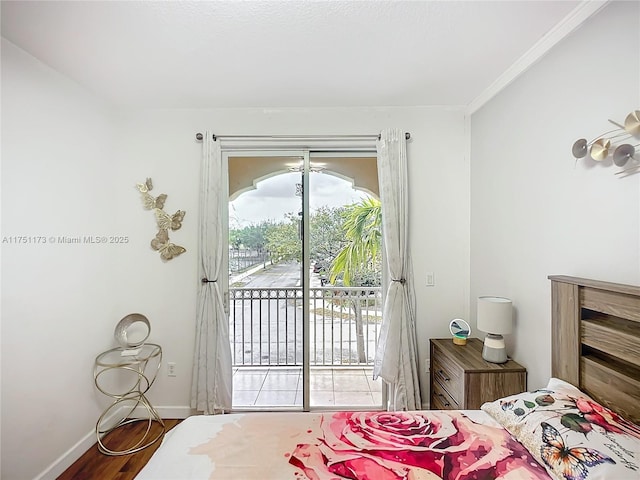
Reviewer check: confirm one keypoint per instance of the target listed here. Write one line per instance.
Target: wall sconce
(495, 316)
(619, 142)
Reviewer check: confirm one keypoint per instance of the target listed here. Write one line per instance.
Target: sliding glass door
(301, 337)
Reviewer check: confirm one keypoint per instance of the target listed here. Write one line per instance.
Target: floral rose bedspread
(341, 445)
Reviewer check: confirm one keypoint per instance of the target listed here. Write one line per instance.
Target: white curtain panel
(396, 357)
(211, 389)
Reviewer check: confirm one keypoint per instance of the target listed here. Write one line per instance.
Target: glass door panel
(344, 317)
(265, 296)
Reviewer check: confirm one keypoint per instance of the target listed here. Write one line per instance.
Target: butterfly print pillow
(570, 434)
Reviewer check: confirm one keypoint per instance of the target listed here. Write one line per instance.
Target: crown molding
(572, 21)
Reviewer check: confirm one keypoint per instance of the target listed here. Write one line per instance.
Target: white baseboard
(53, 471)
(56, 469)
(175, 412)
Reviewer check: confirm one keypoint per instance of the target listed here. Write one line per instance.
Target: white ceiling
(187, 54)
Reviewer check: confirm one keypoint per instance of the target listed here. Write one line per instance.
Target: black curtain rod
(200, 136)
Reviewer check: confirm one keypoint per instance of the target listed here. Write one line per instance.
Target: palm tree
(358, 262)
(362, 230)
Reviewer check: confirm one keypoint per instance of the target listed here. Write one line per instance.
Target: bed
(581, 426)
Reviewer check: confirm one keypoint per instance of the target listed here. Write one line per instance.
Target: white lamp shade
(495, 315)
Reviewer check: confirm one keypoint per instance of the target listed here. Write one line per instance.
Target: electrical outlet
(171, 369)
(431, 279)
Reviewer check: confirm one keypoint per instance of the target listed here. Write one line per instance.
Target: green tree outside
(283, 240)
(252, 237)
(326, 233)
(359, 262)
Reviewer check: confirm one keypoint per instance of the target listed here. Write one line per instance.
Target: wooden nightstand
(460, 379)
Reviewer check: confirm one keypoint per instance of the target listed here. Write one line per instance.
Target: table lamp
(495, 316)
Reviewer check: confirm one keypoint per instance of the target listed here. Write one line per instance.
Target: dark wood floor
(95, 465)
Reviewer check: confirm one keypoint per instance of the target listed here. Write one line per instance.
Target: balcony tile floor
(281, 387)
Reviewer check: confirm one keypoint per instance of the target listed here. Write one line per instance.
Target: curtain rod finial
(200, 136)
(407, 136)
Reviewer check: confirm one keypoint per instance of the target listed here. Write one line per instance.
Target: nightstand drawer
(459, 378)
(448, 376)
(440, 399)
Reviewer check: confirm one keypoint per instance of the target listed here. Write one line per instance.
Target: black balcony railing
(266, 325)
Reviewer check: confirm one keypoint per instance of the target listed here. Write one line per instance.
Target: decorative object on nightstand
(134, 364)
(132, 331)
(460, 331)
(461, 379)
(495, 316)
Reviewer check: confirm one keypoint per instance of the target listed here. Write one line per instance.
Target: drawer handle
(443, 376)
(446, 403)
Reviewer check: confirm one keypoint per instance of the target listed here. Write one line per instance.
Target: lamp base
(494, 349)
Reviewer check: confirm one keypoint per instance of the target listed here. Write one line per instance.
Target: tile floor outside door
(282, 387)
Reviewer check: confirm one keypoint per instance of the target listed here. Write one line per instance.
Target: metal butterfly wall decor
(164, 221)
(148, 200)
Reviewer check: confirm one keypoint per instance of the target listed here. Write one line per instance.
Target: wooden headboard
(596, 340)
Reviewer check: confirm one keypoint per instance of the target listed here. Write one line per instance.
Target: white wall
(534, 210)
(57, 305)
(69, 167)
